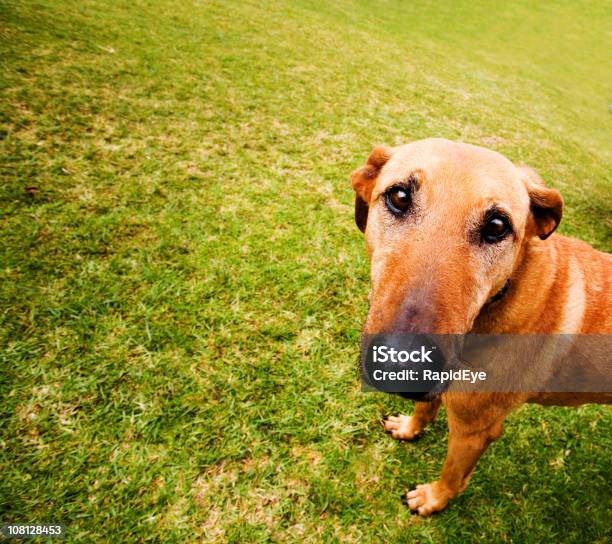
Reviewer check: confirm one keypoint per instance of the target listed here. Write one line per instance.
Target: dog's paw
(402, 427)
(427, 499)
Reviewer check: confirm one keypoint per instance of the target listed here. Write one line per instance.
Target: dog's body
(474, 225)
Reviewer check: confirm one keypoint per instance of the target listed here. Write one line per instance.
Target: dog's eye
(495, 229)
(398, 200)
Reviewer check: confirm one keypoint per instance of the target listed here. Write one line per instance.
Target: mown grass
(183, 286)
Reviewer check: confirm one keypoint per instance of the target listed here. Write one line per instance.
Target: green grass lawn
(182, 285)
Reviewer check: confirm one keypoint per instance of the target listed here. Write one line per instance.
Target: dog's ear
(546, 203)
(363, 180)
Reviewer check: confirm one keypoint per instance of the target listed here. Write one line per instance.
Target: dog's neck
(520, 304)
(500, 294)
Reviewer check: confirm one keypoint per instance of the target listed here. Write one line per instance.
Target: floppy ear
(363, 180)
(546, 203)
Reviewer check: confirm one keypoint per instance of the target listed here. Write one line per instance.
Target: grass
(183, 286)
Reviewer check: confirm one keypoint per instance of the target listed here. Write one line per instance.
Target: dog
(460, 240)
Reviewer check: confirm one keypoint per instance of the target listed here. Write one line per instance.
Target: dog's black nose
(409, 364)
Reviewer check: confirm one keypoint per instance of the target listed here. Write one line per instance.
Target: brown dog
(451, 229)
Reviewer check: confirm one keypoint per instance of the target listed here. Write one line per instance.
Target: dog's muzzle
(407, 364)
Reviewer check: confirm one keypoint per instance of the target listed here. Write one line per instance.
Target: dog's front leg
(467, 441)
(403, 427)
(464, 451)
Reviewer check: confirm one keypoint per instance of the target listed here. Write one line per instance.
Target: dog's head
(445, 226)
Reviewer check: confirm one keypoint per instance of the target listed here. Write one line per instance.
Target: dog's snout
(409, 364)
(420, 306)
(415, 315)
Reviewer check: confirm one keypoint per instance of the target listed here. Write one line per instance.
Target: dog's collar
(499, 293)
